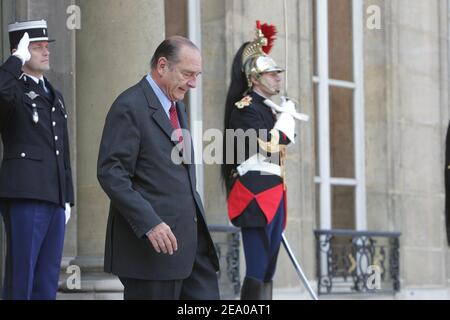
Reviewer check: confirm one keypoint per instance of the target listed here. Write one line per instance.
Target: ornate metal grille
(357, 261)
(227, 242)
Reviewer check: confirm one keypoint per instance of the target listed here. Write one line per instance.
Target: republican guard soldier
(254, 179)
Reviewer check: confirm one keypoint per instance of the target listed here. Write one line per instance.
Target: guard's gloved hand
(286, 125)
(67, 212)
(286, 121)
(287, 106)
(22, 51)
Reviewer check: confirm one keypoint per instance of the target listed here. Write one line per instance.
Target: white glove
(287, 106)
(286, 125)
(22, 51)
(67, 212)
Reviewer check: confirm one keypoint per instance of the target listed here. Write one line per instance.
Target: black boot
(252, 289)
(267, 294)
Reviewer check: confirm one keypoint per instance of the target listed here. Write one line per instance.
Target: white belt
(257, 163)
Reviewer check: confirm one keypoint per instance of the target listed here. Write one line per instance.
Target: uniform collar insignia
(62, 104)
(32, 95)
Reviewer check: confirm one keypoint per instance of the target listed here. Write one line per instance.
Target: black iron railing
(227, 242)
(351, 261)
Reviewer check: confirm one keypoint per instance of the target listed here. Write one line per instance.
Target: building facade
(372, 74)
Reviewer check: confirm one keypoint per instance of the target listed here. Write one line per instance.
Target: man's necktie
(44, 89)
(175, 123)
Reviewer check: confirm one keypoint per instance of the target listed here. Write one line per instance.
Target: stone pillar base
(83, 279)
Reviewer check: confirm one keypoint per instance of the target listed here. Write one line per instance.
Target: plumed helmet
(255, 58)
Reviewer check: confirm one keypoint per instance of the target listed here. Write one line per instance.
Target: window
(176, 17)
(339, 114)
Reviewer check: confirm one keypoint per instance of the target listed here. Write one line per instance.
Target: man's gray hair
(169, 49)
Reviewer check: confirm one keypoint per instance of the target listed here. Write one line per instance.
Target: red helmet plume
(269, 31)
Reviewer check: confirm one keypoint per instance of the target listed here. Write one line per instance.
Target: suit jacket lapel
(182, 115)
(183, 119)
(159, 116)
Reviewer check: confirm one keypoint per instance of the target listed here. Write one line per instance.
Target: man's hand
(163, 239)
(22, 51)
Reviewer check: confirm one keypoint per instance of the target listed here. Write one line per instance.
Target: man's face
(268, 81)
(178, 77)
(40, 56)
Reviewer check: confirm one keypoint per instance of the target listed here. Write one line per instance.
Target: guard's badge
(245, 102)
(32, 95)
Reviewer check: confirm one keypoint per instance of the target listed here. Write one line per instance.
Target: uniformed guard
(36, 190)
(254, 178)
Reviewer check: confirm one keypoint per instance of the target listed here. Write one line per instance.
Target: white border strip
(195, 96)
(324, 114)
(359, 115)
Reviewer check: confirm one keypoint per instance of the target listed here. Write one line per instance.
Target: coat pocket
(23, 151)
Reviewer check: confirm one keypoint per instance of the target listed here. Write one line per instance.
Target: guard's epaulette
(245, 102)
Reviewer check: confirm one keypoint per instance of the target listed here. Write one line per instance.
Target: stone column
(215, 75)
(417, 101)
(114, 46)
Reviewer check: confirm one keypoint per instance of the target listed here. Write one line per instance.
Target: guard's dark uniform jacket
(36, 160)
(255, 197)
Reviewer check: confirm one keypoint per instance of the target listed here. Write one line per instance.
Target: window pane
(343, 207)
(341, 133)
(176, 23)
(340, 39)
(176, 17)
(342, 217)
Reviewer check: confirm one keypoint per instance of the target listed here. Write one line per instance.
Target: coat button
(57, 152)
(65, 116)
(34, 105)
(53, 109)
(54, 123)
(23, 155)
(195, 219)
(56, 138)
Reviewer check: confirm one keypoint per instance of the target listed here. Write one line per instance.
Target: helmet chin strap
(267, 86)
